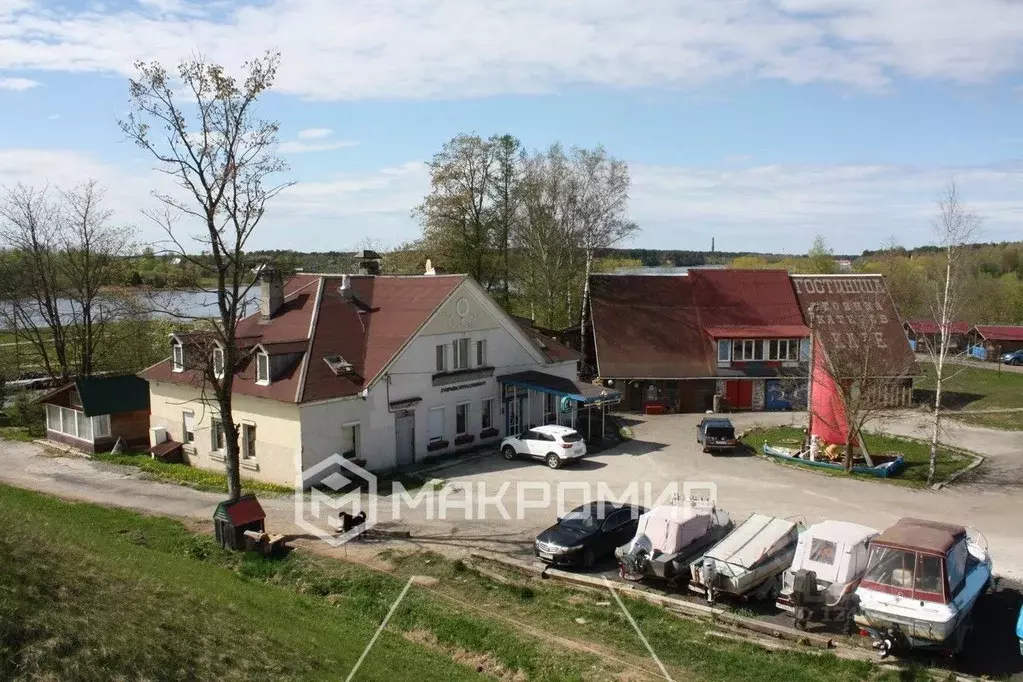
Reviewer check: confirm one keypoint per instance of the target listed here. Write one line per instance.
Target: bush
(28, 415)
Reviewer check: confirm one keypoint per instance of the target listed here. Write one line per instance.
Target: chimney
(346, 287)
(271, 291)
(369, 262)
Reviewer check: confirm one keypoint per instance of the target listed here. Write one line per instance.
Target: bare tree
(599, 205)
(224, 159)
(955, 226)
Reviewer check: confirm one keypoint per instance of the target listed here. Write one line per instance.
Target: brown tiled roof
(317, 321)
(656, 326)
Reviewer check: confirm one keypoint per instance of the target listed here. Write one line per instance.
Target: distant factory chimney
(712, 244)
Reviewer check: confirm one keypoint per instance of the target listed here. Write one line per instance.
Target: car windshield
(581, 519)
(572, 437)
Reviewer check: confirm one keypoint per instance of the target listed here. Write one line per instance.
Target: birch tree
(224, 160)
(955, 226)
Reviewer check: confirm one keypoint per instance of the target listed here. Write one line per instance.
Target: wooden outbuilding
(91, 413)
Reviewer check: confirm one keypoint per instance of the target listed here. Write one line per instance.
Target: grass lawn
(19, 433)
(194, 477)
(88, 592)
(915, 452)
(970, 389)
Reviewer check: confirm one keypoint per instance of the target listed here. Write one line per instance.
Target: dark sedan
(587, 534)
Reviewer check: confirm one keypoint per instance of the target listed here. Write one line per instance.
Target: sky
(759, 123)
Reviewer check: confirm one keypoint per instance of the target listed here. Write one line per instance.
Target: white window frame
(218, 355)
(356, 439)
(460, 350)
(465, 422)
(726, 357)
(217, 424)
(185, 414)
(749, 350)
(487, 402)
(442, 356)
(429, 424)
(245, 442)
(177, 357)
(74, 424)
(262, 357)
(101, 426)
(74, 398)
(481, 353)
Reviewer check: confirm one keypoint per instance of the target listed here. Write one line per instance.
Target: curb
(977, 461)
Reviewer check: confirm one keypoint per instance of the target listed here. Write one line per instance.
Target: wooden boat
(923, 579)
(749, 561)
(669, 538)
(883, 466)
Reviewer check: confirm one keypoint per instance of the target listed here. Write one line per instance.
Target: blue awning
(541, 382)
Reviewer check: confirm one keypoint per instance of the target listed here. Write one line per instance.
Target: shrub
(26, 414)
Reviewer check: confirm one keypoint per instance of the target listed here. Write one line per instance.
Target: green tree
(820, 260)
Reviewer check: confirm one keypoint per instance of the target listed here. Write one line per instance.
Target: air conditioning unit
(157, 435)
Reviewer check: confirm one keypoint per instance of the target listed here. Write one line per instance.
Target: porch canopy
(541, 382)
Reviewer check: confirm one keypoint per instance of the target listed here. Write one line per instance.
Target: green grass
(193, 477)
(969, 389)
(915, 452)
(88, 592)
(18, 433)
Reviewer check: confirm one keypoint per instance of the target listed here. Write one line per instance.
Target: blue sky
(760, 123)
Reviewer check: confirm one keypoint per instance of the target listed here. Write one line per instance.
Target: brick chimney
(369, 262)
(271, 291)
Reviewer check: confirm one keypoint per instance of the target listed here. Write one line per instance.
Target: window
(724, 352)
(262, 368)
(822, 551)
(441, 356)
(101, 426)
(548, 405)
(487, 414)
(481, 353)
(793, 353)
(74, 398)
(617, 519)
(461, 418)
(744, 350)
(783, 349)
(461, 359)
(178, 357)
(218, 441)
(188, 427)
(437, 423)
(218, 362)
(248, 441)
(350, 440)
(74, 423)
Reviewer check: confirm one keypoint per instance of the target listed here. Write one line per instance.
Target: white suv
(554, 444)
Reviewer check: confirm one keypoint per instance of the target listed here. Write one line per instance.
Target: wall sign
(459, 387)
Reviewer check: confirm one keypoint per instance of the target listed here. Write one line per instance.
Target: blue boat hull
(885, 470)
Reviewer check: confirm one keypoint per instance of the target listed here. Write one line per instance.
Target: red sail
(828, 420)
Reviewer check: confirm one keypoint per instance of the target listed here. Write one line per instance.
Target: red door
(739, 394)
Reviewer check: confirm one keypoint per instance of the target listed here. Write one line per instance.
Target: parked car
(1013, 358)
(588, 533)
(716, 433)
(555, 445)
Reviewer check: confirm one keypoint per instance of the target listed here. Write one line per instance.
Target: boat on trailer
(830, 560)
(922, 582)
(749, 561)
(669, 538)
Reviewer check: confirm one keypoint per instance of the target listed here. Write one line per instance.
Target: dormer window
(177, 356)
(338, 364)
(218, 362)
(262, 368)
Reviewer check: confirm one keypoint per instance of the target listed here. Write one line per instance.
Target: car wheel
(553, 461)
(589, 558)
(508, 452)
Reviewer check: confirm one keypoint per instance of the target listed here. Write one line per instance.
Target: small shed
(998, 339)
(91, 413)
(233, 518)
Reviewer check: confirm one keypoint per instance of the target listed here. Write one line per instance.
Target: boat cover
(671, 528)
(757, 539)
(845, 555)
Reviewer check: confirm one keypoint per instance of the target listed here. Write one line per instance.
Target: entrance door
(405, 437)
(739, 394)
(515, 422)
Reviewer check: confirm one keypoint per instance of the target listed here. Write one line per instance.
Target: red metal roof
(658, 326)
(771, 331)
(932, 327)
(999, 333)
(244, 511)
(367, 332)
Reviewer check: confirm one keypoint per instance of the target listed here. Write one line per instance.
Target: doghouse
(232, 519)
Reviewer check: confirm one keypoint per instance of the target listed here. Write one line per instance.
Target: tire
(589, 558)
(552, 460)
(508, 452)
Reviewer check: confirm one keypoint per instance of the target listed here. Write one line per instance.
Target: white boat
(668, 539)
(923, 579)
(830, 560)
(749, 561)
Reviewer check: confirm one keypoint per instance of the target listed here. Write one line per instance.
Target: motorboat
(830, 560)
(883, 466)
(922, 581)
(668, 539)
(749, 561)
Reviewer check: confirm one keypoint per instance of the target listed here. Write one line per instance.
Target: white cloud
(18, 84)
(314, 133)
(760, 208)
(437, 48)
